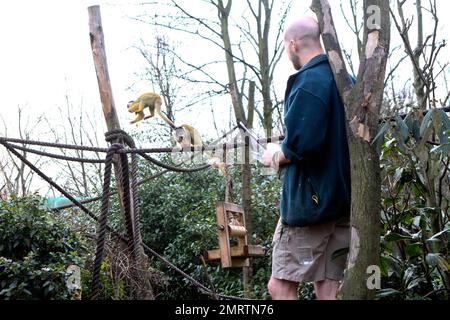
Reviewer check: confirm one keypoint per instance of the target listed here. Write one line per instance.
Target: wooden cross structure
(231, 224)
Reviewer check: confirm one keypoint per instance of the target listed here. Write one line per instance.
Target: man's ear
(296, 45)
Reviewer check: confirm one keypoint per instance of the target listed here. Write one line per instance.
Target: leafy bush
(415, 245)
(35, 251)
(179, 221)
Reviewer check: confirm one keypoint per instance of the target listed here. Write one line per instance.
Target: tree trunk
(236, 96)
(247, 192)
(362, 104)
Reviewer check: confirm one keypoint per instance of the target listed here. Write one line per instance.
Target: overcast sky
(46, 52)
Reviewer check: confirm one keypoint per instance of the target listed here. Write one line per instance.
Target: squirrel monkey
(187, 136)
(153, 102)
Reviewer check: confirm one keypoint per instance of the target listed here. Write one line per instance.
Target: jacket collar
(314, 62)
(311, 63)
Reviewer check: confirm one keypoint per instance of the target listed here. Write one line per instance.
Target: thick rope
(136, 209)
(54, 145)
(49, 180)
(141, 182)
(125, 182)
(172, 168)
(102, 223)
(105, 203)
(56, 156)
(134, 225)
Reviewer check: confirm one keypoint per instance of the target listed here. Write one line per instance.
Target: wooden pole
(104, 85)
(101, 68)
(112, 123)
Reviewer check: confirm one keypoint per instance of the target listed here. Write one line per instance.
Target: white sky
(45, 53)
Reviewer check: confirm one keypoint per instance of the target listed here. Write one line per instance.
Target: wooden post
(104, 85)
(101, 68)
(112, 121)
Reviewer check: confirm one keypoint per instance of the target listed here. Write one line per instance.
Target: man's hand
(267, 157)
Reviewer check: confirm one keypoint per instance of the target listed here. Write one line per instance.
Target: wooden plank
(254, 251)
(232, 207)
(215, 254)
(222, 230)
(237, 252)
(240, 263)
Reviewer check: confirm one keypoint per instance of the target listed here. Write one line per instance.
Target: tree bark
(247, 194)
(362, 105)
(236, 96)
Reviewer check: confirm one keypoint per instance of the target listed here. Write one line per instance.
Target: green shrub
(35, 251)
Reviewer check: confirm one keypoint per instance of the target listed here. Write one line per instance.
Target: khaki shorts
(304, 254)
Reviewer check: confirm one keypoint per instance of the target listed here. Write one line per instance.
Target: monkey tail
(163, 116)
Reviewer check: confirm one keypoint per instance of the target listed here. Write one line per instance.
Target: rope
(103, 226)
(125, 182)
(120, 134)
(48, 180)
(128, 140)
(202, 288)
(137, 226)
(53, 145)
(139, 183)
(102, 223)
(134, 225)
(172, 168)
(56, 156)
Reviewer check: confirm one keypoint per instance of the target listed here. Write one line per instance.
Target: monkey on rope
(186, 136)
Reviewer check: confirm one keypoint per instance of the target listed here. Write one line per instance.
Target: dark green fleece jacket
(316, 185)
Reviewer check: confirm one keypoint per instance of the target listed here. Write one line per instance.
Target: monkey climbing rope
(103, 226)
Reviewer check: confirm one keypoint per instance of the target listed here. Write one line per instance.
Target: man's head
(302, 41)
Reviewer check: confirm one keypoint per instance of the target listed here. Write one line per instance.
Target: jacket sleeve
(306, 122)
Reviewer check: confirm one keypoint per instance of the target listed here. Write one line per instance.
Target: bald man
(314, 158)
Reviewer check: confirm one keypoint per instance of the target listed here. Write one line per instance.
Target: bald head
(305, 30)
(302, 41)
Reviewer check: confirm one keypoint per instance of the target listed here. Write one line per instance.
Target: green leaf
(388, 292)
(381, 133)
(398, 174)
(436, 259)
(437, 235)
(384, 266)
(402, 128)
(393, 237)
(414, 249)
(413, 125)
(425, 122)
(442, 125)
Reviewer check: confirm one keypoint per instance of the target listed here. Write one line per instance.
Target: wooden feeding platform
(231, 224)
